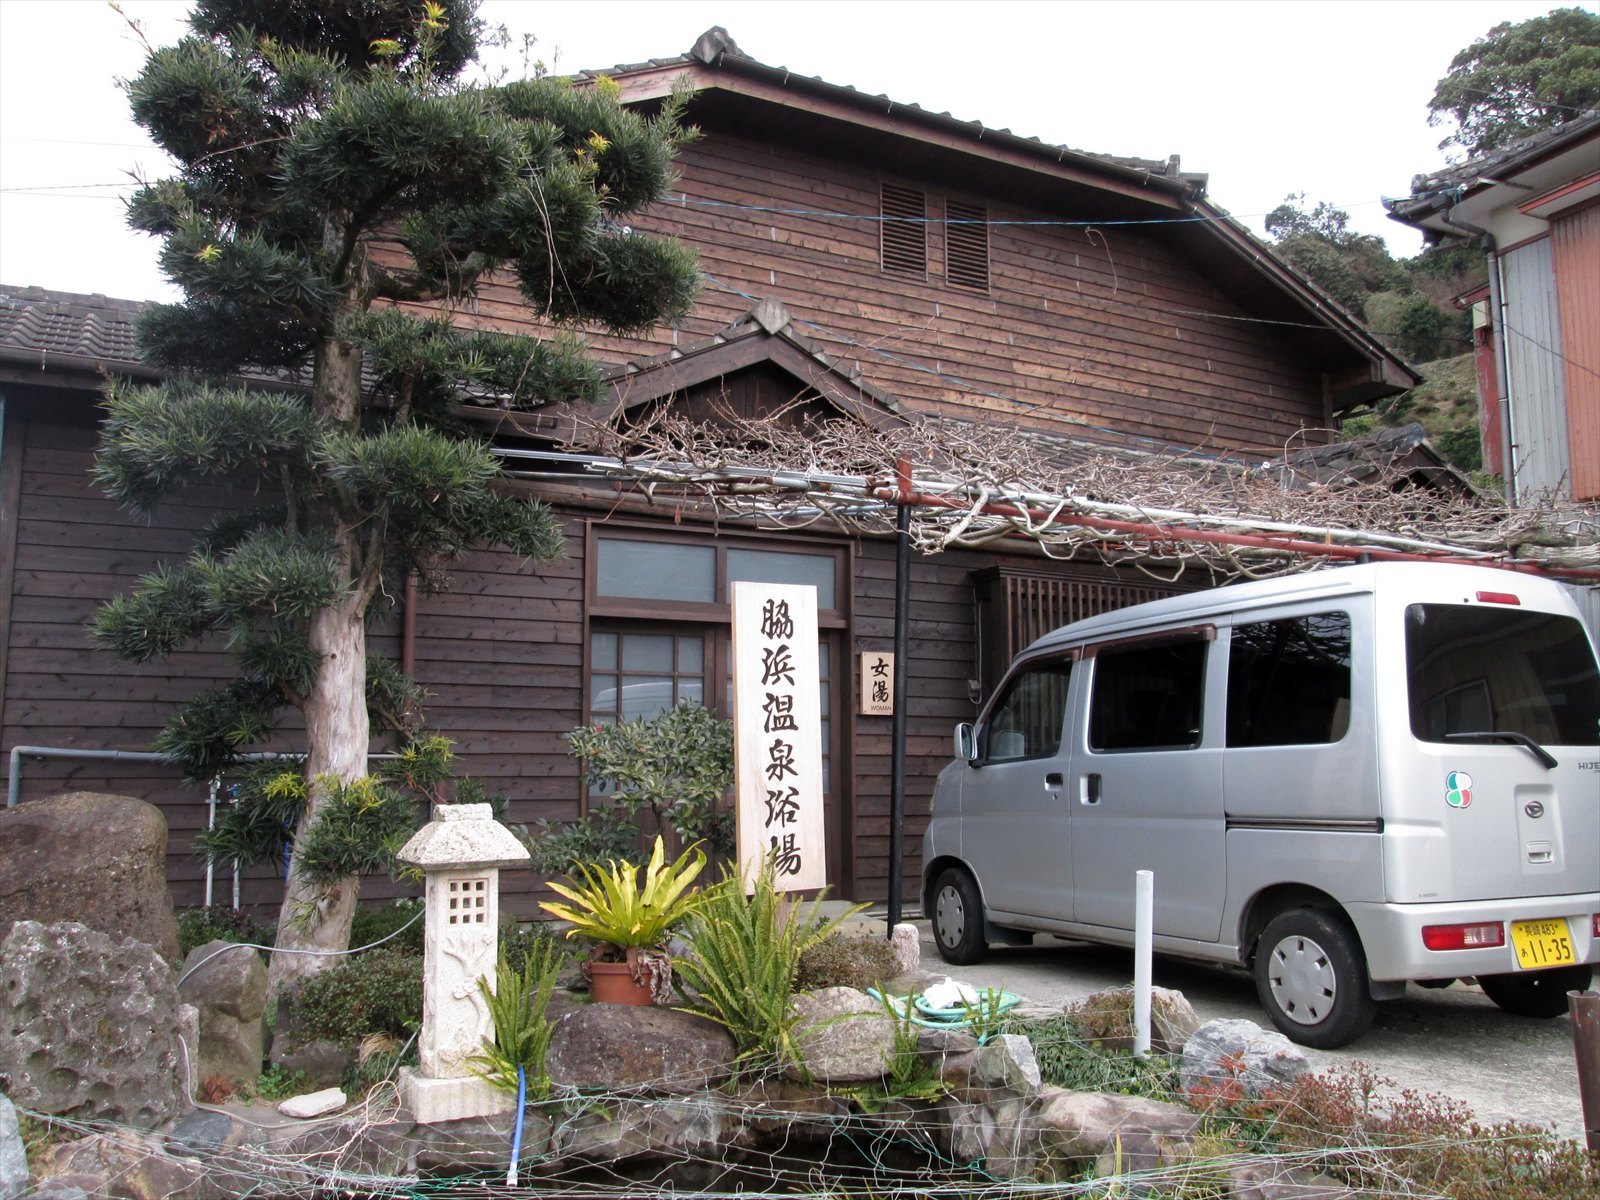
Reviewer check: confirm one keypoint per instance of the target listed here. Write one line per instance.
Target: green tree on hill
(332, 166)
(1519, 78)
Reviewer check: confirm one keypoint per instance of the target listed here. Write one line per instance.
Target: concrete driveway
(1452, 1040)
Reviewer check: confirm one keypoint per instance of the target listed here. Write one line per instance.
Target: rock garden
(773, 1046)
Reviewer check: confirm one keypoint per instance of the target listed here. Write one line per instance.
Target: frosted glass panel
(656, 570)
(769, 566)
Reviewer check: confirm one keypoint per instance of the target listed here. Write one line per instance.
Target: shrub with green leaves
(379, 991)
(678, 764)
(220, 923)
(1068, 1059)
(743, 959)
(518, 1004)
(401, 918)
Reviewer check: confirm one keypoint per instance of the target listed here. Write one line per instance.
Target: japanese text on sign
(778, 733)
(877, 684)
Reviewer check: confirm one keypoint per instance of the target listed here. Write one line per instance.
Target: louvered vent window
(966, 245)
(904, 230)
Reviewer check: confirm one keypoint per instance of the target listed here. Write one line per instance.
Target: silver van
(1343, 780)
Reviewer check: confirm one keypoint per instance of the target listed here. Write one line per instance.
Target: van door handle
(1053, 783)
(1091, 789)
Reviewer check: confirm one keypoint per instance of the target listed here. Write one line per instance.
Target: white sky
(1269, 98)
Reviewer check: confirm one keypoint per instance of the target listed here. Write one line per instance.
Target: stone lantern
(460, 853)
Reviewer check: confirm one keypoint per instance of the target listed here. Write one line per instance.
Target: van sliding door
(1147, 789)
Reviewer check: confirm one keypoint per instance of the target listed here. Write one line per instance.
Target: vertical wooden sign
(777, 730)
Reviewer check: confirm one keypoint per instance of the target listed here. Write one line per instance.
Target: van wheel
(1312, 978)
(958, 918)
(1536, 993)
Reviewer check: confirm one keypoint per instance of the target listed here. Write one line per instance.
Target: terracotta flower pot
(613, 983)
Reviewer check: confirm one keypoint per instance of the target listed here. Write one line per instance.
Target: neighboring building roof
(1432, 196)
(42, 330)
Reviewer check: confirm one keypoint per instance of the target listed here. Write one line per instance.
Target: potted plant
(630, 913)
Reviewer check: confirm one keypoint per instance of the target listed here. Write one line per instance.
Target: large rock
(1237, 1059)
(13, 1155)
(97, 859)
(131, 1166)
(88, 1026)
(844, 1036)
(622, 1046)
(1119, 1134)
(1172, 1019)
(228, 984)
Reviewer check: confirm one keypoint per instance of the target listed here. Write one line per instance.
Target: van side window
(1026, 721)
(1289, 681)
(1148, 696)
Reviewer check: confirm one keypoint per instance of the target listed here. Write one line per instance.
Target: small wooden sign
(777, 734)
(877, 684)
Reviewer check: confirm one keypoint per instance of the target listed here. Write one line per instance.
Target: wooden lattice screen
(1017, 606)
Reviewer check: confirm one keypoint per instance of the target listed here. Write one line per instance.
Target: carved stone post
(460, 853)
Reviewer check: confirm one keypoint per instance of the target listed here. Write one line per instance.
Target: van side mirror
(966, 742)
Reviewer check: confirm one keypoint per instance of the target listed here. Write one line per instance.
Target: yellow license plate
(1541, 944)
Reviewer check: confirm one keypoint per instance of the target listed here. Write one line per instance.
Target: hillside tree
(1519, 78)
(341, 187)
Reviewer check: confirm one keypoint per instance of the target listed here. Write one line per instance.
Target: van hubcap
(1303, 980)
(951, 917)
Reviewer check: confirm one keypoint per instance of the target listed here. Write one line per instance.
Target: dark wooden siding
(1101, 325)
(501, 655)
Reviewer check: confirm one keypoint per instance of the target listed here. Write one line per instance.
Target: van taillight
(1463, 937)
(1597, 925)
(1499, 598)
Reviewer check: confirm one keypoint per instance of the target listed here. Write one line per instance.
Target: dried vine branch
(971, 485)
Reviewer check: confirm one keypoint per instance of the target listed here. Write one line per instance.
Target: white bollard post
(1143, 918)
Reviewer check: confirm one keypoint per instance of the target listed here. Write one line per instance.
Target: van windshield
(1471, 669)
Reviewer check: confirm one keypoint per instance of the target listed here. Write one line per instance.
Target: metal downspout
(1502, 367)
(1502, 370)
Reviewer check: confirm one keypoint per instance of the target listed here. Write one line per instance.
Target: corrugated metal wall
(1575, 243)
(1534, 364)
(1588, 599)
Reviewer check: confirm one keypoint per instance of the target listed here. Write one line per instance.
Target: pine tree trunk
(318, 916)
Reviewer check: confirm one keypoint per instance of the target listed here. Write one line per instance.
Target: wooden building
(864, 258)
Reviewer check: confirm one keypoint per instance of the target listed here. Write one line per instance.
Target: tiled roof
(1512, 156)
(717, 44)
(36, 323)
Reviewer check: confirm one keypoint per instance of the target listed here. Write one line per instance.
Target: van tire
(1312, 978)
(957, 918)
(1536, 993)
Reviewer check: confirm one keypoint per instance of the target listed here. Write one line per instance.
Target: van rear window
(1473, 669)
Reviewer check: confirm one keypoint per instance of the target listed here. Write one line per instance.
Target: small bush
(379, 991)
(846, 960)
(606, 833)
(1391, 1144)
(540, 939)
(374, 924)
(277, 1084)
(197, 926)
(1067, 1059)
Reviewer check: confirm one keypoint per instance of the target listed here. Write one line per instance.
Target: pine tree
(334, 165)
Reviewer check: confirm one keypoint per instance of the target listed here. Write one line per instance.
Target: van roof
(1236, 597)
